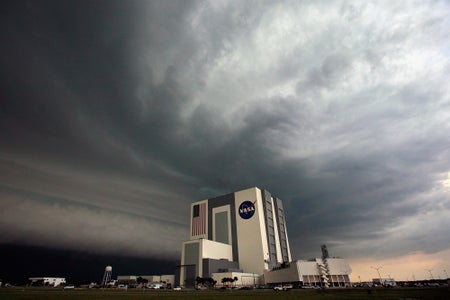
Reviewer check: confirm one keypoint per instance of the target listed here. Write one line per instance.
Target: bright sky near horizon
(116, 115)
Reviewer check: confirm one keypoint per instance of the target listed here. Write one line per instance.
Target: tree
(205, 281)
(141, 280)
(198, 280)
(211, 282)
(229, 279)
(224, 280)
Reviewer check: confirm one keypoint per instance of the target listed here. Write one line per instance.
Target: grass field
(134, 294)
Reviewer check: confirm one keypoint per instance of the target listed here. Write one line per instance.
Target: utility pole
(429, 271)
(378, 270)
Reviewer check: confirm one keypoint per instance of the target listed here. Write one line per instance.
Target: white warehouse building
(312, 273)
(244, 234)
(47, 281)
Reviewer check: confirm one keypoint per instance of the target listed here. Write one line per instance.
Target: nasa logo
(247, 209)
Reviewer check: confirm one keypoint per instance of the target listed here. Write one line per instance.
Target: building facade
(165, 280)
(47, 281)
(310, 273)
(243, 231)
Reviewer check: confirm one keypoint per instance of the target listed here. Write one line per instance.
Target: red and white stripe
(199, 223)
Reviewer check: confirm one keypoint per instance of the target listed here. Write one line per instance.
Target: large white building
(242, 231)
(243, 234)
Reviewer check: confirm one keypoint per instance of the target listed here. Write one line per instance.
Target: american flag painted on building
(199, 219)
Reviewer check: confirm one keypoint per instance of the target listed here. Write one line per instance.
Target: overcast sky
(116, 115)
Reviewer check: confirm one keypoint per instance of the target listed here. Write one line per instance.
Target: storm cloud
(116, 115)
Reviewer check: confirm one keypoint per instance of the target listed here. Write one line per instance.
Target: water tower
(107, 276)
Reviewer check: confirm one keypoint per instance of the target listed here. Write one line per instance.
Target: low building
(127, 279)
(165, 280)
(47, 281)
(311, 273)
(239, 279)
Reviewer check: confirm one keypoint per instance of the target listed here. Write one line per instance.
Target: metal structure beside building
(309, 273)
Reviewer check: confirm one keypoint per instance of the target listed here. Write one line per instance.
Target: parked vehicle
(156, 286)
(69, 287)
(282, 288)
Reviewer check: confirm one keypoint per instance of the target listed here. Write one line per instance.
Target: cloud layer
(117, 115)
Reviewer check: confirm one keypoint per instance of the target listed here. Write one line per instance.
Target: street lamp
(445, 271)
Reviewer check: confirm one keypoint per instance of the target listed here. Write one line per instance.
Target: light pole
(429, 271)
(378, 270)
(446, 275)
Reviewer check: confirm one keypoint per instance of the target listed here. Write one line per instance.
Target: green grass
(132, 294)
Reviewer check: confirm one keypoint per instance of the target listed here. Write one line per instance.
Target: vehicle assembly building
(244, 234)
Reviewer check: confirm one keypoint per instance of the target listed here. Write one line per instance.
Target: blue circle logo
(247, 209)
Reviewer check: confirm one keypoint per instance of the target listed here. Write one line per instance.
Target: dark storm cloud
(58, 60)
(68, 99)
(119, 114)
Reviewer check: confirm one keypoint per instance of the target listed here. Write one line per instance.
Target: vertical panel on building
(199, 220)
(282, 232)
(270, 228)
(277, 232)
(221, 227)
(190, 261)
(251, 230)
(218, 204)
